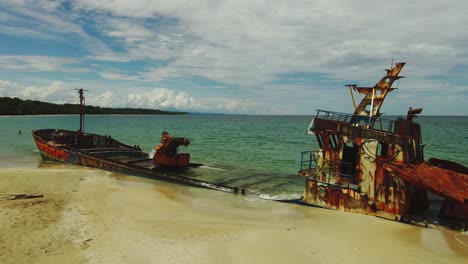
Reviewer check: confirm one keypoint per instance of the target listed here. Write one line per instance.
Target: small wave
(212, 168)
(282, 196)
(239, 179)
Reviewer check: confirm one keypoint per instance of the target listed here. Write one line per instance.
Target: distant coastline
(15, 106)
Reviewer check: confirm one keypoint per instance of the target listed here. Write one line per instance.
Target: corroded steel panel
(445, 183)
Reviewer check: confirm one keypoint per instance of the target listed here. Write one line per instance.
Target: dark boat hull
(100, 152)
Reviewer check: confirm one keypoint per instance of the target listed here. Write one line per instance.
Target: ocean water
(260, 153)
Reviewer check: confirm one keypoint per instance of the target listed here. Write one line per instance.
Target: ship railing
(309, 161)
(327, 173)
(375, 123)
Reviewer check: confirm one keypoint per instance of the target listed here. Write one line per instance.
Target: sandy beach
(92, 216)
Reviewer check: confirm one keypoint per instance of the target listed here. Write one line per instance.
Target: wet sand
(91, 216)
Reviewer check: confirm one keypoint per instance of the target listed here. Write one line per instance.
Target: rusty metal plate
(446, 183)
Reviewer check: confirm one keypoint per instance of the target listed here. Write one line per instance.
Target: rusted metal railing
(374, 122)
(327, 172)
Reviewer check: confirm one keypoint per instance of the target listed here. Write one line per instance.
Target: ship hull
(105, 153)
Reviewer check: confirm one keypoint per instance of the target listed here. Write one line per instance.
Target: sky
(235, 56)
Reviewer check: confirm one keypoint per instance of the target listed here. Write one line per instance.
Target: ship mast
(373, 97)
(82, 104)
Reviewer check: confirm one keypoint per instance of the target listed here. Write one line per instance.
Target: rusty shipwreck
(106, 153)
(372, 165)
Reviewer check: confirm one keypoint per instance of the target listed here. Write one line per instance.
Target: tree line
(16, 106)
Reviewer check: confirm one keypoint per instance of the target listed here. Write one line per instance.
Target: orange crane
(167, 152)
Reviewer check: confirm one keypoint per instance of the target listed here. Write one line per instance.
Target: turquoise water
(261, 153)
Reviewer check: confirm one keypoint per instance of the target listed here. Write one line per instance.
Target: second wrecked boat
(104, 152)
(371, 165)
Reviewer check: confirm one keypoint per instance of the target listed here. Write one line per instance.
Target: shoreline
(97, 115)
(93, 216)
(311, 115)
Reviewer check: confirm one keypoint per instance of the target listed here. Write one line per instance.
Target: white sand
(91, 216)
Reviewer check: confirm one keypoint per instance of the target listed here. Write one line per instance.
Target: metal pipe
(352, 97)
(372, 106)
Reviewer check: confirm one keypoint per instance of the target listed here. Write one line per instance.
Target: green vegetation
(16, 106)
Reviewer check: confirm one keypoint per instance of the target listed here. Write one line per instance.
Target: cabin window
(333, 141)
(382, 149)
(319, 140)
(349, 160)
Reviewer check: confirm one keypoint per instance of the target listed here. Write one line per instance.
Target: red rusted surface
(448, 165)
(52, 152)
(445, 183)
(166, 152)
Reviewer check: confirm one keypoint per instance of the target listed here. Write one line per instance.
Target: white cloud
(156, 98)
(109, 56)
(6, 16)
(39, 63)
(129, 30)
(42, 14)
(105, 99)
(59, 92)
(44, 19)
(252, 44)
(118, 76)
(56, 92)
(42, 93)
(234, 105)
(15, 31)
(7, 87)
(163, 98)
(159, 74)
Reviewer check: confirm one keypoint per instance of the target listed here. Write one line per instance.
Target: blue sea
(259, 153)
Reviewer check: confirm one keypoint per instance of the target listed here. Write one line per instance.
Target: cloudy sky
(235, 56)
